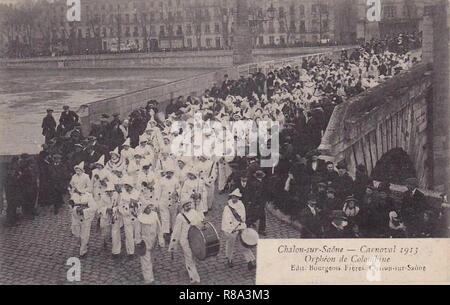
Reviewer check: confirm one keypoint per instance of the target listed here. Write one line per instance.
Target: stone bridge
(392, 116)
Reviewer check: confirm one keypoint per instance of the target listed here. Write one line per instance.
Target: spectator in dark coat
(362, 180)
(259, 195)
(49, 126)
(330, 174)
(413, 203)
(311, 219)
(344, 183)
(59, 176)
(67, 120)
(13, 191)
(28, 183)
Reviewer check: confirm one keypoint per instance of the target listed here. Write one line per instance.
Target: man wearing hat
(58, 181)
(185, 219)
(413, 202)
(344, 183)
(146, 174)
(104, 133)
(116, 135)
(311, 219)
(49, 126)
(208, 173)
(259, 200)
(67, 120)
(83, 212)
(167, 196)
(126, 151)
(151, 233)
(128, 211)
(116, 163)
(80, 181)
(98, 171)
(233, 222)
(372, 214)
(194, 189)
(338, 227)
(107, 211)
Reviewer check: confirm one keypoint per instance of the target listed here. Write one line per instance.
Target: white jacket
(229, 222)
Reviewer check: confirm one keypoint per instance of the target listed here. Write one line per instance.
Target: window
(302, 26)
(207, 29)
(260, 40)
(135, 32)
(282, 26)
(282, 40)
(315, 9)
(293, 27)
(302, 10)
(271, 27)
(218, 44)
(208, 42)
(104, 32)
(162, 30)
(325, 25)
(389, 11)
(281, 12)
(217, 28)
(271, 40)
(179, 30)
(189, 42)
(127, 31)
(189, 29)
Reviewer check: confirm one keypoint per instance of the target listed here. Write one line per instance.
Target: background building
(397, 16)
(151, 25)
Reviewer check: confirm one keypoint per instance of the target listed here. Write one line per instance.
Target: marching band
(156, 199)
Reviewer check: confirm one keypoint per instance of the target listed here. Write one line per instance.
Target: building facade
(397, 16)
(148, 25)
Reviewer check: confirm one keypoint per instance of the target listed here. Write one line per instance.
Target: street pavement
(36, 252)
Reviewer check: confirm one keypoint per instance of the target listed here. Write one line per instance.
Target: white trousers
(211, 192)
(230, 243)
(146, 261)
(164, 213)
(81, 228)
(105, 227)
(132, 229)
(191, 268)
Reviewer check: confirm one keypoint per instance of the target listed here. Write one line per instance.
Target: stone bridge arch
(394, 166)
(393, 115)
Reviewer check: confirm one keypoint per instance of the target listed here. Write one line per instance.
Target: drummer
(233, 222)
(185, 219)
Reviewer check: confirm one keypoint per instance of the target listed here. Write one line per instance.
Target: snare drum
(249, 238)
(204, 241)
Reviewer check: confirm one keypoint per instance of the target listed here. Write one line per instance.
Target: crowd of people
(124, 174)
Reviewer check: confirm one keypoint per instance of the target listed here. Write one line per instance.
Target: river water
(26, 94)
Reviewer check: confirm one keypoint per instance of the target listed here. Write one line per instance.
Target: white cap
(236, 193)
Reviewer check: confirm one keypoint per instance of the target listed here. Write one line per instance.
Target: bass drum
(204, 241)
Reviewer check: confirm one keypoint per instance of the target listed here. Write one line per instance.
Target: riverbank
(168, 60)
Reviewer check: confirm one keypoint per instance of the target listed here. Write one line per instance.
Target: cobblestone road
(36, 252)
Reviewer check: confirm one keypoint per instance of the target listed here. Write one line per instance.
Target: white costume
(166, 191)
(82, 214)
(151, 233)
(180, 236)
(128, 214)
(231, 227)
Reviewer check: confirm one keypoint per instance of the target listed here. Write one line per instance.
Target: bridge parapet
(193, 86)
(390, 116)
